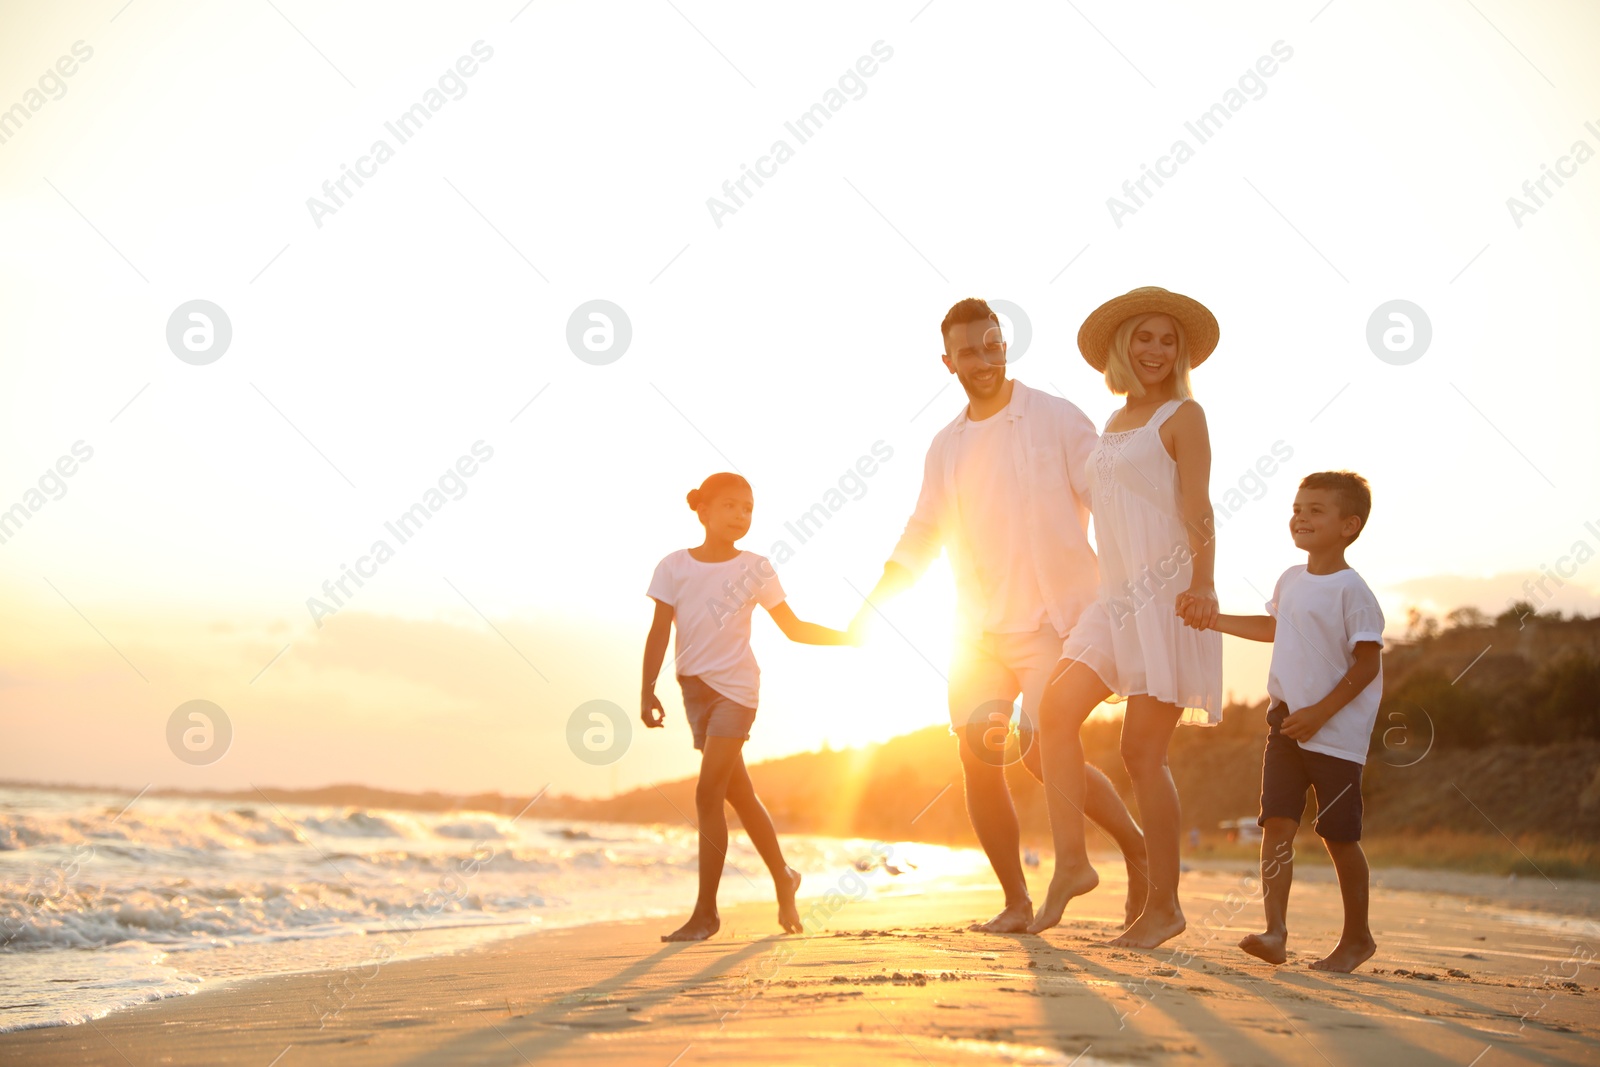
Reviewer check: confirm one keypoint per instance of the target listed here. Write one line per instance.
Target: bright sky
(374, 345)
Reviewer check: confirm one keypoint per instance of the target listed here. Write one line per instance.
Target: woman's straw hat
(1199, 325)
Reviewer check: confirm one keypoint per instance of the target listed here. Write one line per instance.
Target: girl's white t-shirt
(712, 604)
(1321, 618)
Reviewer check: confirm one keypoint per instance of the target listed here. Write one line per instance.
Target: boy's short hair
(1349, 489)
(964, 311)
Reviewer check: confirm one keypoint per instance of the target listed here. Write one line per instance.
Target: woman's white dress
(1131, 635)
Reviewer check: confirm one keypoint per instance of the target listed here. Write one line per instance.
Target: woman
(1145, 639)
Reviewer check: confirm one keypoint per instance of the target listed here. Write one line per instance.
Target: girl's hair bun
(712, 486)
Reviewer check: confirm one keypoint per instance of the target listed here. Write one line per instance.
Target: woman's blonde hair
(1120, 378)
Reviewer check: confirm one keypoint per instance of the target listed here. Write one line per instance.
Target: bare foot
(1064, 885)
(1347, 956)
(1152, 928)
(788, 914)
(698, 928)
(1138, 891)
(1013, 920)
(1268, 946)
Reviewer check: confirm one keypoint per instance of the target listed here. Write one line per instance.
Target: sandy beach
(1490, 972)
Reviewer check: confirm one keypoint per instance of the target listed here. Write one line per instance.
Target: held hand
(1180, 605)
(1198, 606)
(650, 711)
(1302, 725)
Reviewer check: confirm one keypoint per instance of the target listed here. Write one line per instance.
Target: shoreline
(901, 980)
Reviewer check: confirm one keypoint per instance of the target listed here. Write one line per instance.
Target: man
(1003, 491)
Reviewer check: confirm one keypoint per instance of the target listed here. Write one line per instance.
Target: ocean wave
(355, 823)
(212, 830)
(199, 915)
(474, 830)
(226, 828)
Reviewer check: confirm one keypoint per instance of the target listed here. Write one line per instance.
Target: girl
(711, 591)
(1149, 477)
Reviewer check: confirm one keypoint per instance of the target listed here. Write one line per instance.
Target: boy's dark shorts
(1287, 770)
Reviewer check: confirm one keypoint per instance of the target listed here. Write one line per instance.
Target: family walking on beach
(1008, 489)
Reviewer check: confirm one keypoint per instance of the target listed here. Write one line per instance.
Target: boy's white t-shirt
(1320, 619)
(712, 604)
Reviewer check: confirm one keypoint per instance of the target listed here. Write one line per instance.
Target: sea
(109, 900)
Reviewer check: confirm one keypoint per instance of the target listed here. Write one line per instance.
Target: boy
(1325, 682)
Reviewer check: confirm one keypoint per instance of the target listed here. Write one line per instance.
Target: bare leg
(764, 836)
(1106, 810)
(1146, 730)
(716, 767)
(995, 822)
(1277, 874)
(1355, 945)
(1103, 806)
(1068, 700)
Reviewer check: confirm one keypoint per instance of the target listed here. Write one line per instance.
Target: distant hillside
(1522, 678)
